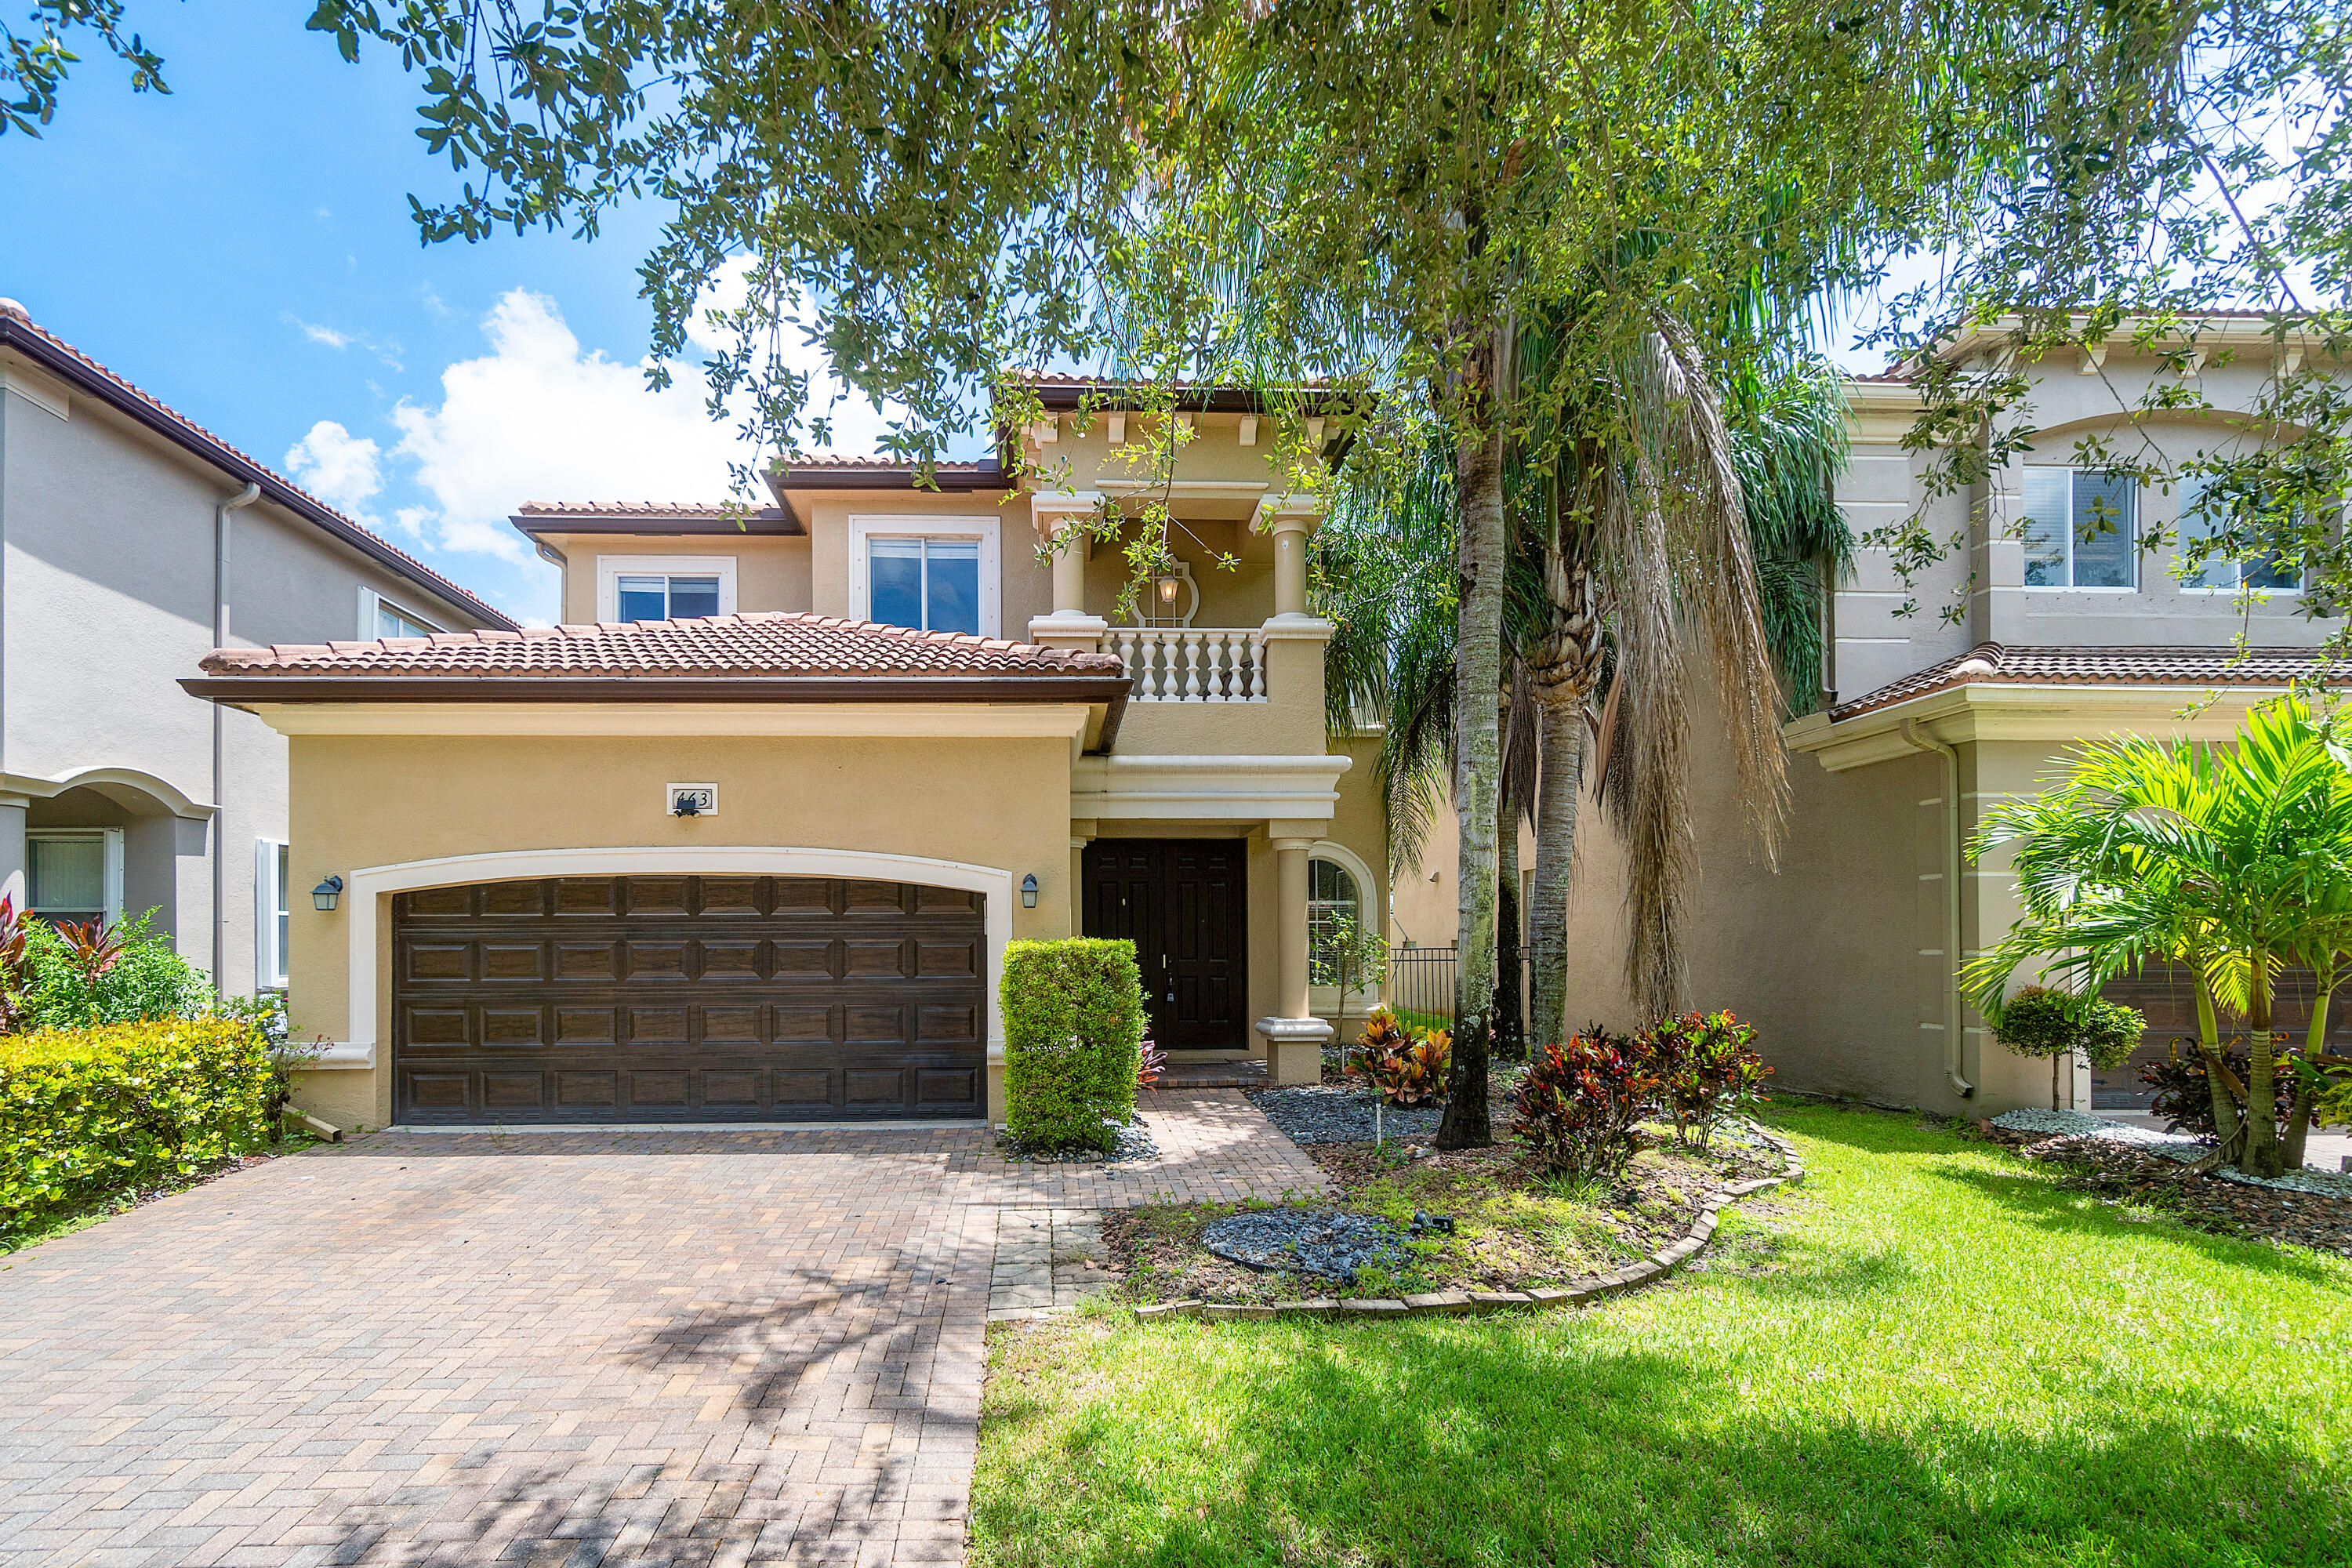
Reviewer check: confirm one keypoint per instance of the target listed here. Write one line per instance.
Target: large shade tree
(1371, 195)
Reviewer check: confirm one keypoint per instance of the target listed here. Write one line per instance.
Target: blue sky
(242, 249)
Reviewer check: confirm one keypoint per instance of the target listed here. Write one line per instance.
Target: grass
(1936, 1355)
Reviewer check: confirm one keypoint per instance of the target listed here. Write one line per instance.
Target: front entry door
(1182, 902)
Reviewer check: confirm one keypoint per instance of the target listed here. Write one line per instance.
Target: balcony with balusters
(1192, 664)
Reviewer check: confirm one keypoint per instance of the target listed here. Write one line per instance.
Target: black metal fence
(1421, 983)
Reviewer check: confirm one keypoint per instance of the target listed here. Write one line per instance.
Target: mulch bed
(1517, 1228)
(2121, 1174)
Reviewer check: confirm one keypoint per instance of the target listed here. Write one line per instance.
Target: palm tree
(2229, 861)
(1764, 515)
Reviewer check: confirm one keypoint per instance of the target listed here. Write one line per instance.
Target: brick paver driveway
(546, 1348)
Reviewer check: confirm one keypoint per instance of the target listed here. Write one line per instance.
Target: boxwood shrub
(88, 1114)
(1073, 1034)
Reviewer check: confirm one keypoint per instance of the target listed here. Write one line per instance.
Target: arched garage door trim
(364, 886)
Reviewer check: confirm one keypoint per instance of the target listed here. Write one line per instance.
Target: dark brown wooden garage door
(687, 999)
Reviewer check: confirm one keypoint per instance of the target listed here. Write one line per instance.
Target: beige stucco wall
(772, 572)
(373, 801)
(106, 604)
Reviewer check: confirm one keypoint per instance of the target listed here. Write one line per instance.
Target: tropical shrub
(1579, 1103)
(1383, 1032)
(86, 1115)
(85, 976)
(1411, 1073)
(2044, 1021)
(1707, 1068)
(1074, 1025)
(2184, 1097)
(1149, 1063)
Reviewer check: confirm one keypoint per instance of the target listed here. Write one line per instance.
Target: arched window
(1331, 896)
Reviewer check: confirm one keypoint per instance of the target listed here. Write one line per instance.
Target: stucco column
(1069, 569)
(12, 849)
(1294, 1037)
(1060, 517)
(1290, 532)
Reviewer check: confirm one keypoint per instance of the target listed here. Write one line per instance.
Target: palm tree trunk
(2314, 1046)
(1478, 766)
(2217, 1071)
(1510, 1004)
(2262, 1156)
(1557, 797)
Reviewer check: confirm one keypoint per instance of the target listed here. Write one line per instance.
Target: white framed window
(928, 573)
(2219, 574)
(2081, 529)
(663, 587)
(1332, 894)
(74, 875)
(273, 911)
(380, 617)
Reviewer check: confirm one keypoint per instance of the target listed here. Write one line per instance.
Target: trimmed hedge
(1074, 1023)
(87, 1114)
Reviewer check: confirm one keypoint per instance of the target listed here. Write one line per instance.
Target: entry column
(1294, 1036)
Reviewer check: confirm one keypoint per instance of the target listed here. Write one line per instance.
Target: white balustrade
(1185, 664)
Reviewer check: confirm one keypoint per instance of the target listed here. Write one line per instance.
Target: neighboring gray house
(132, 543)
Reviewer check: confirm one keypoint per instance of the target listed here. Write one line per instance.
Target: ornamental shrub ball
(1074, 1025)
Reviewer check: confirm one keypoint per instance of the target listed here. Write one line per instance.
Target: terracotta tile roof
(622, 509)
(60, 358)
(770, 643)
(1995, 664)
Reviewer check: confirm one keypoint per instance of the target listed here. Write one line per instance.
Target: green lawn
(1941, 1357)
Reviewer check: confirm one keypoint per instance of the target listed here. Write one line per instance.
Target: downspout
(1953, 863)
(237, 502)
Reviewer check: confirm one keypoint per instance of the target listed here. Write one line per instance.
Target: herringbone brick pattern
(579, 1348)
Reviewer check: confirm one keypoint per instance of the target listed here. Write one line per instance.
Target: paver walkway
(575, 1348)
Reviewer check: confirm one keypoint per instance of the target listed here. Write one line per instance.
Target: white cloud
(319, 334)
(536, 418)
(335, 338)
(339, 467)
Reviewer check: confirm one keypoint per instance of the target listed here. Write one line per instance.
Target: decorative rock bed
(1666, 1261)
(2171, 1145)
(1133, 1144)
(1331, 1113)
(1332, 1243)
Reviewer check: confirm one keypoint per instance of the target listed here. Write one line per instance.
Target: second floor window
(667, 599)
(2081, 529)
(2200, 519)
(926, 584)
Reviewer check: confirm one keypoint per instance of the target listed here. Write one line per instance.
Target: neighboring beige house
(134, 541)
(744, 838)
(1841, 953)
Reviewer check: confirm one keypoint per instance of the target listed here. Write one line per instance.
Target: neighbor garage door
(687, 999)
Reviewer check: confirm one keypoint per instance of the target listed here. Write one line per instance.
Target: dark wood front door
(1184, 902)
(687, 999)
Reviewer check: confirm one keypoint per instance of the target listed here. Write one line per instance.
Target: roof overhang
(2016, 710)
(1087, 706)
(659, 523)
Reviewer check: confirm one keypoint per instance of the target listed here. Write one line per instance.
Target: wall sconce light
(1029, 892)
(324, 895)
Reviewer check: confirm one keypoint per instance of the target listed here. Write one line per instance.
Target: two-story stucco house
(2066, 631)
(744, 837)
(131, 540)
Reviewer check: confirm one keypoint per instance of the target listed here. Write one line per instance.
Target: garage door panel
(866, 959)
(587, 897)
(511, 901)
(430, 1026)
(503, 1027)
(599, 962)
(805, 896)
(738, 998)
(731, 1026)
